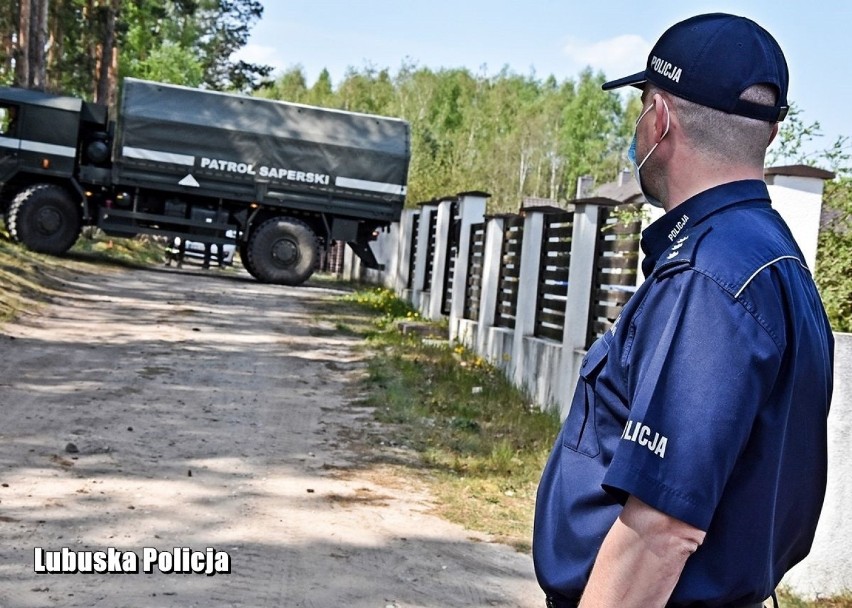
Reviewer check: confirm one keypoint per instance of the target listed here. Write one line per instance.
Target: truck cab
(41, 132)
(40, 154)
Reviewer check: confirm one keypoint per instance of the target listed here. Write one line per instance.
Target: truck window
(7, 119)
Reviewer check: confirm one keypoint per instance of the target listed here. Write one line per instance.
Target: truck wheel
(244, 258)
(6, 221)
(282, 250)
(44, 218)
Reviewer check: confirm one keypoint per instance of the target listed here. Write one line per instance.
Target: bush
(834, 254)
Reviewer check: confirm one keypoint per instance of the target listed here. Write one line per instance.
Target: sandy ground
(150, 410)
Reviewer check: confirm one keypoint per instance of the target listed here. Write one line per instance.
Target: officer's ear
(774, 132)
(662, 117)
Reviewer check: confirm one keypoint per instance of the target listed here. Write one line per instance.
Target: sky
(551, 37)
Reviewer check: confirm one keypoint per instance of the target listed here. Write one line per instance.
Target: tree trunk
(107, 58)
(38, 44)
(554, 175)
(22, 53)
(8, 28)
(55, 39)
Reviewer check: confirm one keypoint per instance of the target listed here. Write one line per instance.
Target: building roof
(625, 189)
(799, 171)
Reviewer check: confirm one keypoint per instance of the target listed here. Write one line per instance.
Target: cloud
(615, 57)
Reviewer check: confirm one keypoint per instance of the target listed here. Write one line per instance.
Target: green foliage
(169, 63)
(142, 250)
(72, 62)
(290, 86)
(834, 254)
(189, 42)
(225, 27)
(511, 135)
(368, 91)
(385, 304)
(793, 136)
(158, 42)
(321, 93)
(794, 145)
(590, 130)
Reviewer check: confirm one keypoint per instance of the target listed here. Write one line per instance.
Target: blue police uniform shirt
(707, 400)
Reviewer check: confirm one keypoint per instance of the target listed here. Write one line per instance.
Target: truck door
(10, 143)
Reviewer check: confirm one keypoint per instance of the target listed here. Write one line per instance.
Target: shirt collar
(659, 236)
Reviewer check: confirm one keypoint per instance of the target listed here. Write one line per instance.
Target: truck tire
(282, 250)
(6, 220)
(244, 258)
(44, 218)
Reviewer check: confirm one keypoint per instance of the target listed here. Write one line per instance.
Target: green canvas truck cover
(248, 148)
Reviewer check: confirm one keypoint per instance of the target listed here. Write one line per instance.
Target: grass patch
(480, 446)
(29, 279)
(95, 246)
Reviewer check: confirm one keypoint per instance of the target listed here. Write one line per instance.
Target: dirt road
(163, 410)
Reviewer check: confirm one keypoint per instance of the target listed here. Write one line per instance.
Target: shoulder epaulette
(681, 254)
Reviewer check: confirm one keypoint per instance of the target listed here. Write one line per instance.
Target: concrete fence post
(401, 268)
(471, 211)
(527, 291)
(351, 265)
(422, 236)
(410, 261)
(494, 232)
(580, 280)
(432, 306)
(796, 194)
(383, 247)
(390, 250)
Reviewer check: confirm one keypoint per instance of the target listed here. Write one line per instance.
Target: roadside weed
(480, 445)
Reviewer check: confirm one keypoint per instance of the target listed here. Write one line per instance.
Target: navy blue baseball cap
(711, 59)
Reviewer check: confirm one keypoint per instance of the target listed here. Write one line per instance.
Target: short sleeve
(699, 368)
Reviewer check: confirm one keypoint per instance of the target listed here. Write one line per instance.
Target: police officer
(691, 468)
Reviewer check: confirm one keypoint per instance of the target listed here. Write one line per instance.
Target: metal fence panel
(510, 271)
(412, 257)
(553, 275)
(475, 267)
(617, 255)
(454, 239)
(430, 250)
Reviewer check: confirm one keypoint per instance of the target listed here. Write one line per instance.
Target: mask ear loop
(666, 132)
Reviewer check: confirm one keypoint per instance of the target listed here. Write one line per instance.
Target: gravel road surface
(149, 414)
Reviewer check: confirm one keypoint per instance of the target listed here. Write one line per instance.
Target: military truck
(279, 180)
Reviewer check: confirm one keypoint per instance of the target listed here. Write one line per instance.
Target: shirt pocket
(580, 430)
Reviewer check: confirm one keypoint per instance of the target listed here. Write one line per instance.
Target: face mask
(631, 154)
